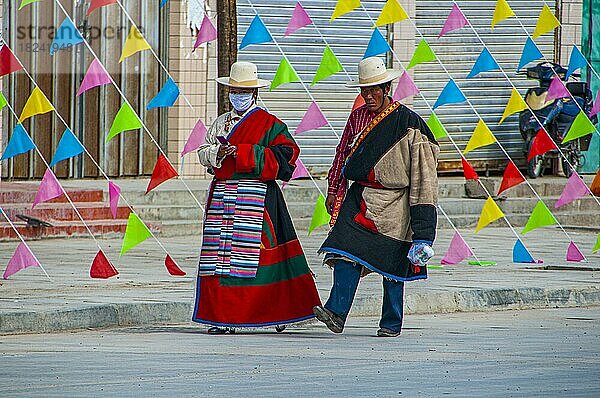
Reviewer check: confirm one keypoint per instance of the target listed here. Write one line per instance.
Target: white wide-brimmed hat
(372, 72)
(243, 75)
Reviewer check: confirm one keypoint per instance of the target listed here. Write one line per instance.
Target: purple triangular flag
(455, 20)
(574, 190)
(299, 171)
(21, 259)
(406, 87)
(312, 119)
(556, 90)
(457, 251)
(206, 33)
(49, 188)
(95, 76)
(299, 20)
(574, 254)
(596, 108)
(195, 139)
(113, 197)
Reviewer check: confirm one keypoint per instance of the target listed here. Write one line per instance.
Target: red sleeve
(334, 176)
(244, 158)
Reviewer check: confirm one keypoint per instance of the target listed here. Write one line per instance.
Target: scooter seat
(537, 102)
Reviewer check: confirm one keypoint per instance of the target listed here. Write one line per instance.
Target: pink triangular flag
(457, 251)
(21, 259)
(574, 190)
(596, 107)
(406, 87)
(312, 119)
(574, 254)
(196, 138)
(299, 171)
(95, 76)
(113, 197)
(299, 20)
(556, 90)
(455, 20)
(49, 189)
(206, 33)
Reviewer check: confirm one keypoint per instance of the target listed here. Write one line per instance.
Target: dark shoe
(333, 321)
(219, 330)
(385, 332)
(280, 328)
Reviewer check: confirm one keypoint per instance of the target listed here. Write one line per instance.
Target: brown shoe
(385, 332)
(331, 320)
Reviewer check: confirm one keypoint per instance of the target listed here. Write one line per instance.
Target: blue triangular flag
(484, 63)
(68, 146)
(257, 33)
(531, 52)
(166, 96)
(377, 45)
(521, 254)
(451, 94)
(576, 61)
(67, 35)
(163, 2)
(19, 143)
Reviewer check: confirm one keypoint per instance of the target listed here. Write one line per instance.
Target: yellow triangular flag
(515, 104)
(490, 213)
(344, 7)
(36, 104)
(135, 42)
(546, 22)
(501, 12)
(482, 136)
(392, 12)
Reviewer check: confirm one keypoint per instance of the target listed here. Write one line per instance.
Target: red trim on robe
(280, 253)
(362, 219)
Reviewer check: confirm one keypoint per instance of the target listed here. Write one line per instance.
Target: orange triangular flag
(172, 267)
(358, 102)
(162, 172)
(512, 177)
(101, 267)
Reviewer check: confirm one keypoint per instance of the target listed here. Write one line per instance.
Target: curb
(145, 314)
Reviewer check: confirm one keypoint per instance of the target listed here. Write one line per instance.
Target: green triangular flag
(540, 217)
(126, 119)
(25, 2)
(436, 127)
(423, 53)
(135, 233)
(320, 215)
(3, 101)
(329, 65)
(285, 74)
(597, 245)
(581, 126)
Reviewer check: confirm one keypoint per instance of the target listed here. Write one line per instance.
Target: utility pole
(226, 47)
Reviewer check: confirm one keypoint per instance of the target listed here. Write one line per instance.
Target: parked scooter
(556, 116)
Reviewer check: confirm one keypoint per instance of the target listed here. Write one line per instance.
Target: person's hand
(420, 253)
(329, 202)
(226, 150)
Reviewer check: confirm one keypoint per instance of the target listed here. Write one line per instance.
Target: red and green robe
(252, 269)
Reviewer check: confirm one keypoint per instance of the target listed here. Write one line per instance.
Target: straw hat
(371, 72)
(243, 75)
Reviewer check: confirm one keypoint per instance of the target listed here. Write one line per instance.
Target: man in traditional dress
(386, 220)
(252, 270)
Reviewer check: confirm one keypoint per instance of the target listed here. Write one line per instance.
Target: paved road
(553, 352)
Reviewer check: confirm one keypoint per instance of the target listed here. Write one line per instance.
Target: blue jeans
(346, 276)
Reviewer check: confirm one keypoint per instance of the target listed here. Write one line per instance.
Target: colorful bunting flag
(68, 146)
(8, 62)
(257, 33)
(102, 268)
(166, 97)
(94, 4)
(482, 136)
(556, 90)
(329, 65)
(172, 267)
(580, 127)
(134, 43)
(540, 217)
(596, 107)
(299, 20)
(530, 53)
(344, 7)
(377, 45)
(596, 245)
(512, 177)
(320, 215)
(436, 127)
(285, 74)
(358, 102)
(312, 119)
(485, 63)
(26, 2)
(451, 94)
(470, 173)
(3, 101)
(206, 33)
(300, 170)
(406, 88)
(456, 20)
(22, 258)
(392, 12)
(489, 213)
(163, 171)
(574, 189)
(162, 3)
(135, 233)
(574, 254)
(66, 36)
(515, 104)
(19, 143)
(95, 76)
(521, 254)
(501, 12)
(546, 22)
(196, 138)
(126, 119)
(423, 53)
(457, 251)
(36, 104)
(576, 61)
(541, 144)
(49, 188)
(114, 192)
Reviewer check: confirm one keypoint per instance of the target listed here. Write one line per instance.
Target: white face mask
(241, 101)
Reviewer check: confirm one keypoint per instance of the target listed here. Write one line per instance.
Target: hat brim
(259, 83)
(391, 75)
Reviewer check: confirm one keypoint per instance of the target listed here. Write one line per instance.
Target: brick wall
(570, 30)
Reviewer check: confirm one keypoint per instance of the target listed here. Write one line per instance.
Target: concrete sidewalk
(144, 294)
